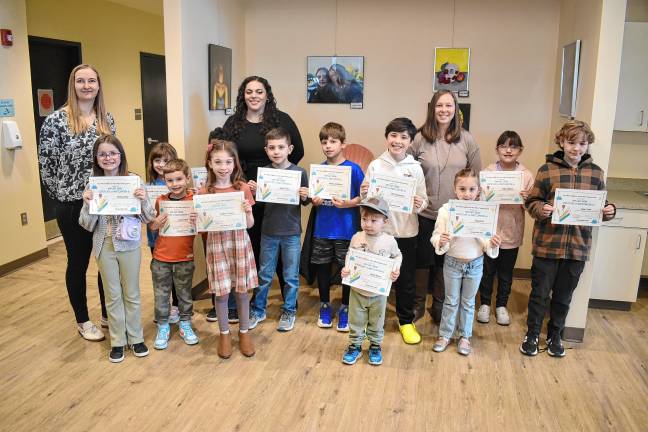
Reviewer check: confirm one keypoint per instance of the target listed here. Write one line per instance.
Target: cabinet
(632, 100)
(619, 257)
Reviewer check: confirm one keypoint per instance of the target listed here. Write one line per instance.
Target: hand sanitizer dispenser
(11, 137)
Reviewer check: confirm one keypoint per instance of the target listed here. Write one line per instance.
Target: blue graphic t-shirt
(336, 223)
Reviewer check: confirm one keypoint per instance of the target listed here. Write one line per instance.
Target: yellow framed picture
(451, 69)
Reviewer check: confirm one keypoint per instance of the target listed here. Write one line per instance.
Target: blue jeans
(461, 285)
(290, 252)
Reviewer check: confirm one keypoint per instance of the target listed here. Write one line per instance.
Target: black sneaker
(529, 345)
(139, 349)
(232, 316)
(211, 315)
(116, 354)
(555, 347)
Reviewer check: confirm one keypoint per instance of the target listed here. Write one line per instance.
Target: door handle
(638, 246)
(151, 141)
(642, 118)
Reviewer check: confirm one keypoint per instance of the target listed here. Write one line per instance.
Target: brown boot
(245, 344)
(225, 345)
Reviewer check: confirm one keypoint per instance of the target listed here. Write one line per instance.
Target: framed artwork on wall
(451, 69)
(220, 77)
(335, 79)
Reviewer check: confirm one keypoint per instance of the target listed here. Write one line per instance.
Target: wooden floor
(53, 380)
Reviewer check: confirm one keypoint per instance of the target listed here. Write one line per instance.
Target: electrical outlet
(23, 218)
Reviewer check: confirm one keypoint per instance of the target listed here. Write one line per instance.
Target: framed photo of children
(337, 79)
(220, 77)
(578, 207)
(369, 272)
(451, 69)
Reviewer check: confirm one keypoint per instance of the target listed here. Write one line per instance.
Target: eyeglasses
(110, 154)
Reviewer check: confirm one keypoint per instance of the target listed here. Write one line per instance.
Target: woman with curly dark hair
(256, 113)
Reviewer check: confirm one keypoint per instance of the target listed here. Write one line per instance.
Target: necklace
(441, 169)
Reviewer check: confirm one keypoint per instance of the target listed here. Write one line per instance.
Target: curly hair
(570, 131)
(270, 116)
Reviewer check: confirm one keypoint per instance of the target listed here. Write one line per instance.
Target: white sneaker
(502, 316)
(483, 315)
(89, 331)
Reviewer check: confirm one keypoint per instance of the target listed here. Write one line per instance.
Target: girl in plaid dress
(229, 256)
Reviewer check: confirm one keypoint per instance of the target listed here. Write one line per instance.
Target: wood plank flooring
(52, 380)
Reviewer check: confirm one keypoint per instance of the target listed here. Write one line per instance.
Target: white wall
(513, 54)
(599, 25)
(19, 180)
(189, 27)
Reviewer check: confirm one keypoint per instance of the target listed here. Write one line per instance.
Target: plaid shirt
(562, 241)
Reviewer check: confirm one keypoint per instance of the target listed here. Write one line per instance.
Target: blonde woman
(65, 160)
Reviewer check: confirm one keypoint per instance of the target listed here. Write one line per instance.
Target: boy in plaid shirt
(559, 251)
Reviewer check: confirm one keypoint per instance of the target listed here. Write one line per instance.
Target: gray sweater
(440, 162)
(98, 226)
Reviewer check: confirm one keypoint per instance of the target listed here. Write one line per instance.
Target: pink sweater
(510, 222)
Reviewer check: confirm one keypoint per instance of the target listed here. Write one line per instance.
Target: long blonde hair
(75, 122)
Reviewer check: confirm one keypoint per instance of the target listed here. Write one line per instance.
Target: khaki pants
(120, 276)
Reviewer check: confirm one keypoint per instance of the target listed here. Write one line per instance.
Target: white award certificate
(178, 222)
(220, 211)
(472, 218)
(398, 192)
(114, 195)
(501, 187)
(369, 272)
(328, 181)
(199, 177)
(578, 207)
(154, 191)
(278, 186)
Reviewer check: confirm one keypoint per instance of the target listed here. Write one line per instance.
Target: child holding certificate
(559, 251)
(229, 258)
(367, 309)
(336, 221)
(281, 230)
(116, 245)
(396, 165)
(462, 267)
(160, 154)
(172, 266)
(510, 226)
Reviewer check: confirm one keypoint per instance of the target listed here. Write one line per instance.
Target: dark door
(51, 63)
(154, 102)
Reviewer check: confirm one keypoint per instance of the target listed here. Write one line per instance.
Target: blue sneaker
(343, 319)
(255, 319)
(325, 316)
(375, 355)
(352, 354)
(162, 337)
(187, 333)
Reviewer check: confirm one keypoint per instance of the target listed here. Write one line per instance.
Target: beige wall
(112, 37)
(19, 181)
(630, 149)
(513, 53)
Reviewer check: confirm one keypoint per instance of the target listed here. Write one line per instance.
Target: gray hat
(376, 203)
